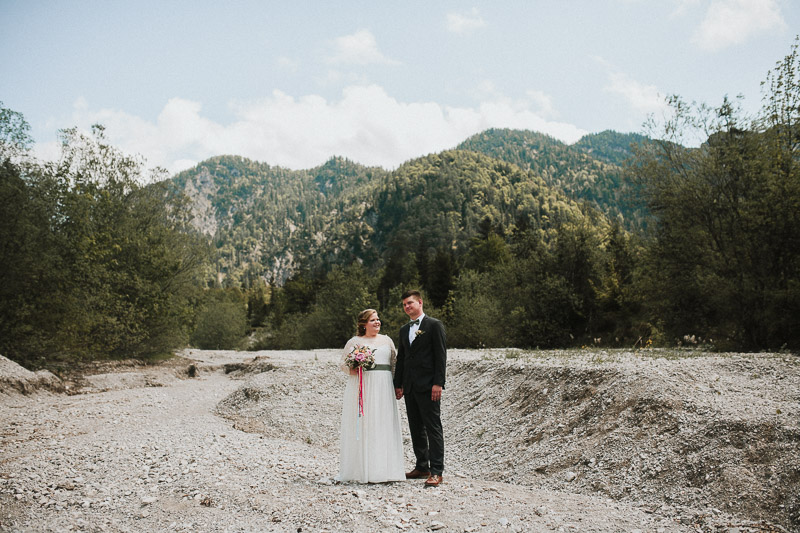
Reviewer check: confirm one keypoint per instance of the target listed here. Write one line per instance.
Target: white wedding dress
(371, 446)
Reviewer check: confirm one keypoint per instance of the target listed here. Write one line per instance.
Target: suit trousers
(425, 425)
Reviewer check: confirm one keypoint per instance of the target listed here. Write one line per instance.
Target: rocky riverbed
(654, 440)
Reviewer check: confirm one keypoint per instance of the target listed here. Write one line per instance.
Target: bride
(371, 446)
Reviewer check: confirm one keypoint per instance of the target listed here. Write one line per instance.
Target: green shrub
(221, 322)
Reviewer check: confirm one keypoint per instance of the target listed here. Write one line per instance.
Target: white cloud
(731, 22)
(539, 101)
(485, 89)
(287, 63)
(683, 7)
(462, 23)
(641, 97)
(543, 102)
(360, 48)
(366, 125)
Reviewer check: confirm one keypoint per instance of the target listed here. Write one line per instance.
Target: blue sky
(295, 82)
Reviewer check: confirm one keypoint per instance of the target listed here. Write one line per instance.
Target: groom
(419, 377)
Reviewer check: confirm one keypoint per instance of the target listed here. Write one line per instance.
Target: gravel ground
(544, 441)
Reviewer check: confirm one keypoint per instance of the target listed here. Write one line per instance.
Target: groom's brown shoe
(417, 474)
(433, 481)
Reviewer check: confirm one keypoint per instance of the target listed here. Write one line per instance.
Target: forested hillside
(611, 146)
(294, 240)
(267, 221)
(590, 170)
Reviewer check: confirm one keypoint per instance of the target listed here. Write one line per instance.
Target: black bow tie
(415, 322)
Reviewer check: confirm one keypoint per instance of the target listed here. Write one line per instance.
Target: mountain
(269, 222)
(265, 220)
(443, 198)
(588, 171)
(610, 146)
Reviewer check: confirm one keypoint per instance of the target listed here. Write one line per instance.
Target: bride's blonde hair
(363, 318)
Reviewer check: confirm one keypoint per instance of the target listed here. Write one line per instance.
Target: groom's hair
(409, 294)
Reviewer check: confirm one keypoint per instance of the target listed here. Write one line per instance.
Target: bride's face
(373, 324)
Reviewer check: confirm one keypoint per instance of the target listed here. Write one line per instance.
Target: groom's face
(413, 307)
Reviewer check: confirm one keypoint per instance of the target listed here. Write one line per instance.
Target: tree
(486, 252)
(15, 139)
(32, 273)
(401, 269)
(257, 304)
(725, 255)
(109, 270)
(221, 320)
(134, 265)
(331, 316)
(619, 316)
(474, 312)
(441, 278)
(576, 258)
(31, 270)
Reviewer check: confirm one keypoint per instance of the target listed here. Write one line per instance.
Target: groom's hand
(398, 393)
(436, 393)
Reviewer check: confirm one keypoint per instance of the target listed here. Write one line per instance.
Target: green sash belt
(380, 367)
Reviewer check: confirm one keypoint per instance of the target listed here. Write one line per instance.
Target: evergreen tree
(442, 277)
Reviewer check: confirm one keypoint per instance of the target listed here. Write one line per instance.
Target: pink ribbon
(360, 391)
(360, 402)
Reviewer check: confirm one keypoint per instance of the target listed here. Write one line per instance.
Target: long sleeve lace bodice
(383, 345)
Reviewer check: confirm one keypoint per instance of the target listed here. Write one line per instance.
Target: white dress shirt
(412, 331)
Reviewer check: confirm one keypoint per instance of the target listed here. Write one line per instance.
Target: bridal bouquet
(360, 357)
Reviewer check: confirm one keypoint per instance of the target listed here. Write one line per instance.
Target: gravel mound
(697, 437)
(15, 379)
(256, 365)
(715, 432)
(298, 403)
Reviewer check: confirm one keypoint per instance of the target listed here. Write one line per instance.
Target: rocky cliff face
(200, 191)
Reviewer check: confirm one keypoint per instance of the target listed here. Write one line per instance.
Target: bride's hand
(353, 372)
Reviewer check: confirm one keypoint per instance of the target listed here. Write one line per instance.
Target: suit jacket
(421, 364)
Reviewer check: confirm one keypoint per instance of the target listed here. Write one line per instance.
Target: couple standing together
(371, 442)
